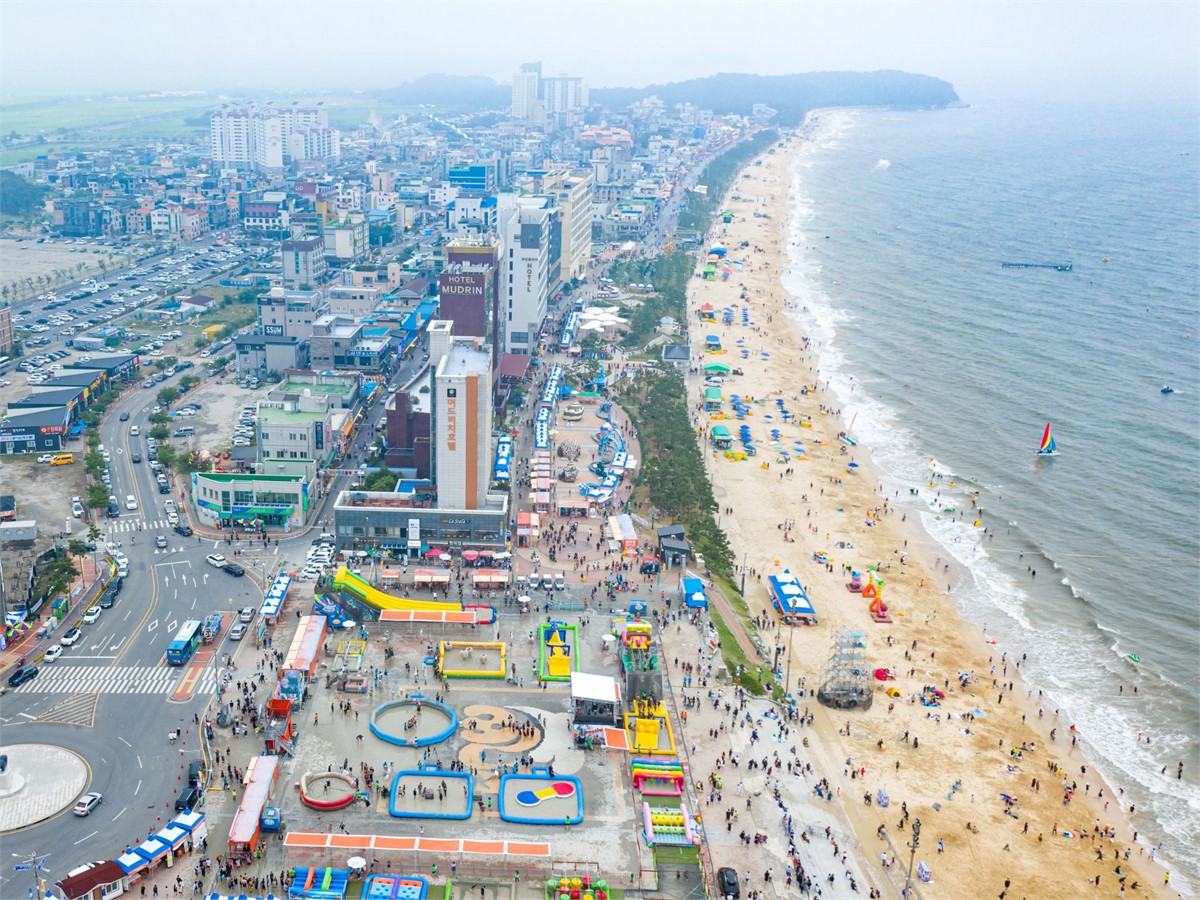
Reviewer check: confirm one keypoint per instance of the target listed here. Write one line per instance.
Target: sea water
(950, 366)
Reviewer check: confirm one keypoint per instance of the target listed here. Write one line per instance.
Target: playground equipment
(472, 659)
(649, 729)
(855, 584)
(609, 442)
(421, 729)
(577, 887)
(395, 887)
(319, 883)
(664, 825)
(340, 800)
(658, 778)
(558, 646)
(345, 580)
(539, 798)
(421, 785)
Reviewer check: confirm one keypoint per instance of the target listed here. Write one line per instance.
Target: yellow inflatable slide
(345, 580)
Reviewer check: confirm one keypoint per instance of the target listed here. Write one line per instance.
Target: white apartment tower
(268, 138)
(526, 90)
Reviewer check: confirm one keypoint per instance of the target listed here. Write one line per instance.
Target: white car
(216, 560)
(172, 519)
(131, 503)
(45, 457)
(91, 615)
(53, 652)
(71, 637)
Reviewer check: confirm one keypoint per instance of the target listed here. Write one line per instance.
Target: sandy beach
(950, 765)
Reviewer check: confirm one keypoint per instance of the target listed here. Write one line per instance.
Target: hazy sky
(979, 45)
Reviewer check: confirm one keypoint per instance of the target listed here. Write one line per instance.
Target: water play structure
(558, 646)
(423, 721)
(344, 794)
(395, 887)
(319, 883)
(472, 659)
(414, 793)
(539, 798)
(345, 580)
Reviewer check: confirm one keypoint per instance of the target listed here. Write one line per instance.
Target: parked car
(52, 653)
(727, 882)
(238, 631)
(91, 615)
(71, 637)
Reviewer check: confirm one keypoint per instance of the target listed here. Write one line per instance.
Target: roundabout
(39, 781)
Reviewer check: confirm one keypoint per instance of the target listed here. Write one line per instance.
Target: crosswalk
(113, 680)
(119, 526)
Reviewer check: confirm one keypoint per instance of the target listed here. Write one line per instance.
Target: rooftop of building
(299, 387)
(274, 415)
(464, 360)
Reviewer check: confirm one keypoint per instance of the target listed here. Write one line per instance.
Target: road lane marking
(123, 741)
(81, 840)
(121, 813)
(136, 789)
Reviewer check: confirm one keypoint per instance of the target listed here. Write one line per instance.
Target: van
(560, 583)
(187, 799)
(185, 431)
(62, 459)
(534, 581)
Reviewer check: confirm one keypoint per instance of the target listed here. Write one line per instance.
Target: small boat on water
(1057, 267)
(1167, 389)
(1048, 447)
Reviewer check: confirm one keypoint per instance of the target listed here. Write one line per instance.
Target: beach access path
(810, 511)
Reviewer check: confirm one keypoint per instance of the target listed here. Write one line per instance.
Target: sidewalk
(85, 588)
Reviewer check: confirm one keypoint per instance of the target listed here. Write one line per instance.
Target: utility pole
(33, 864)
(914, 844)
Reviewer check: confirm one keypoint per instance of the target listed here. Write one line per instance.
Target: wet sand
(779, 514)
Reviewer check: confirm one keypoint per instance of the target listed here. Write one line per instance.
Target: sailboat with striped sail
(1048, 447)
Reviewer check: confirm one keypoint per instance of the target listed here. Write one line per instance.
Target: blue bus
(180, 650)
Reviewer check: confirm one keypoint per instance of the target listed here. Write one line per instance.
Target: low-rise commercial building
(229, 500)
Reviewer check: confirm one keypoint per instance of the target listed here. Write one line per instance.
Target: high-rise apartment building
(526, 90)
(564, 93)
(269, 137)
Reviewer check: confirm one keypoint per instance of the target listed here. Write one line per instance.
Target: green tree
(159, 418)
(167, 362)
(160, 432)
(77, 549)
(96, 496)
(93, 463)
(187, 382)
(93, 438)
(94, 533)
(168, 456)
(167, 396)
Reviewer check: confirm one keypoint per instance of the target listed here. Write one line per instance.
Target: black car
(196, 773)
(108, 598)
(135, 457)
(234, 569)
(124, 417)
(22, 675)
(727, 882)
(185, 530)
(187, 799)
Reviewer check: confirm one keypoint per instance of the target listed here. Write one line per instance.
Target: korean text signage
(451, 418)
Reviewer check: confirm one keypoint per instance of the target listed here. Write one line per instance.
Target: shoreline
(929, 616)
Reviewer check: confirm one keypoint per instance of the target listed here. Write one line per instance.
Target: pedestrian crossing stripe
(124, 526)
(113, 680)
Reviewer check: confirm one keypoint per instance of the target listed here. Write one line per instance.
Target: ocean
(950, 366)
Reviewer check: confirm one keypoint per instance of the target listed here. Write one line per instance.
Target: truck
(212, 627)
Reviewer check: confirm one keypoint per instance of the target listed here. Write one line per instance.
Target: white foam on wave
(883, 164)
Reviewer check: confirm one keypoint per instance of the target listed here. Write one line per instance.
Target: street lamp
(914, 844)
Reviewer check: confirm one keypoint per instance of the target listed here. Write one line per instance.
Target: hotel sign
(462, 284)
(451, 418)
